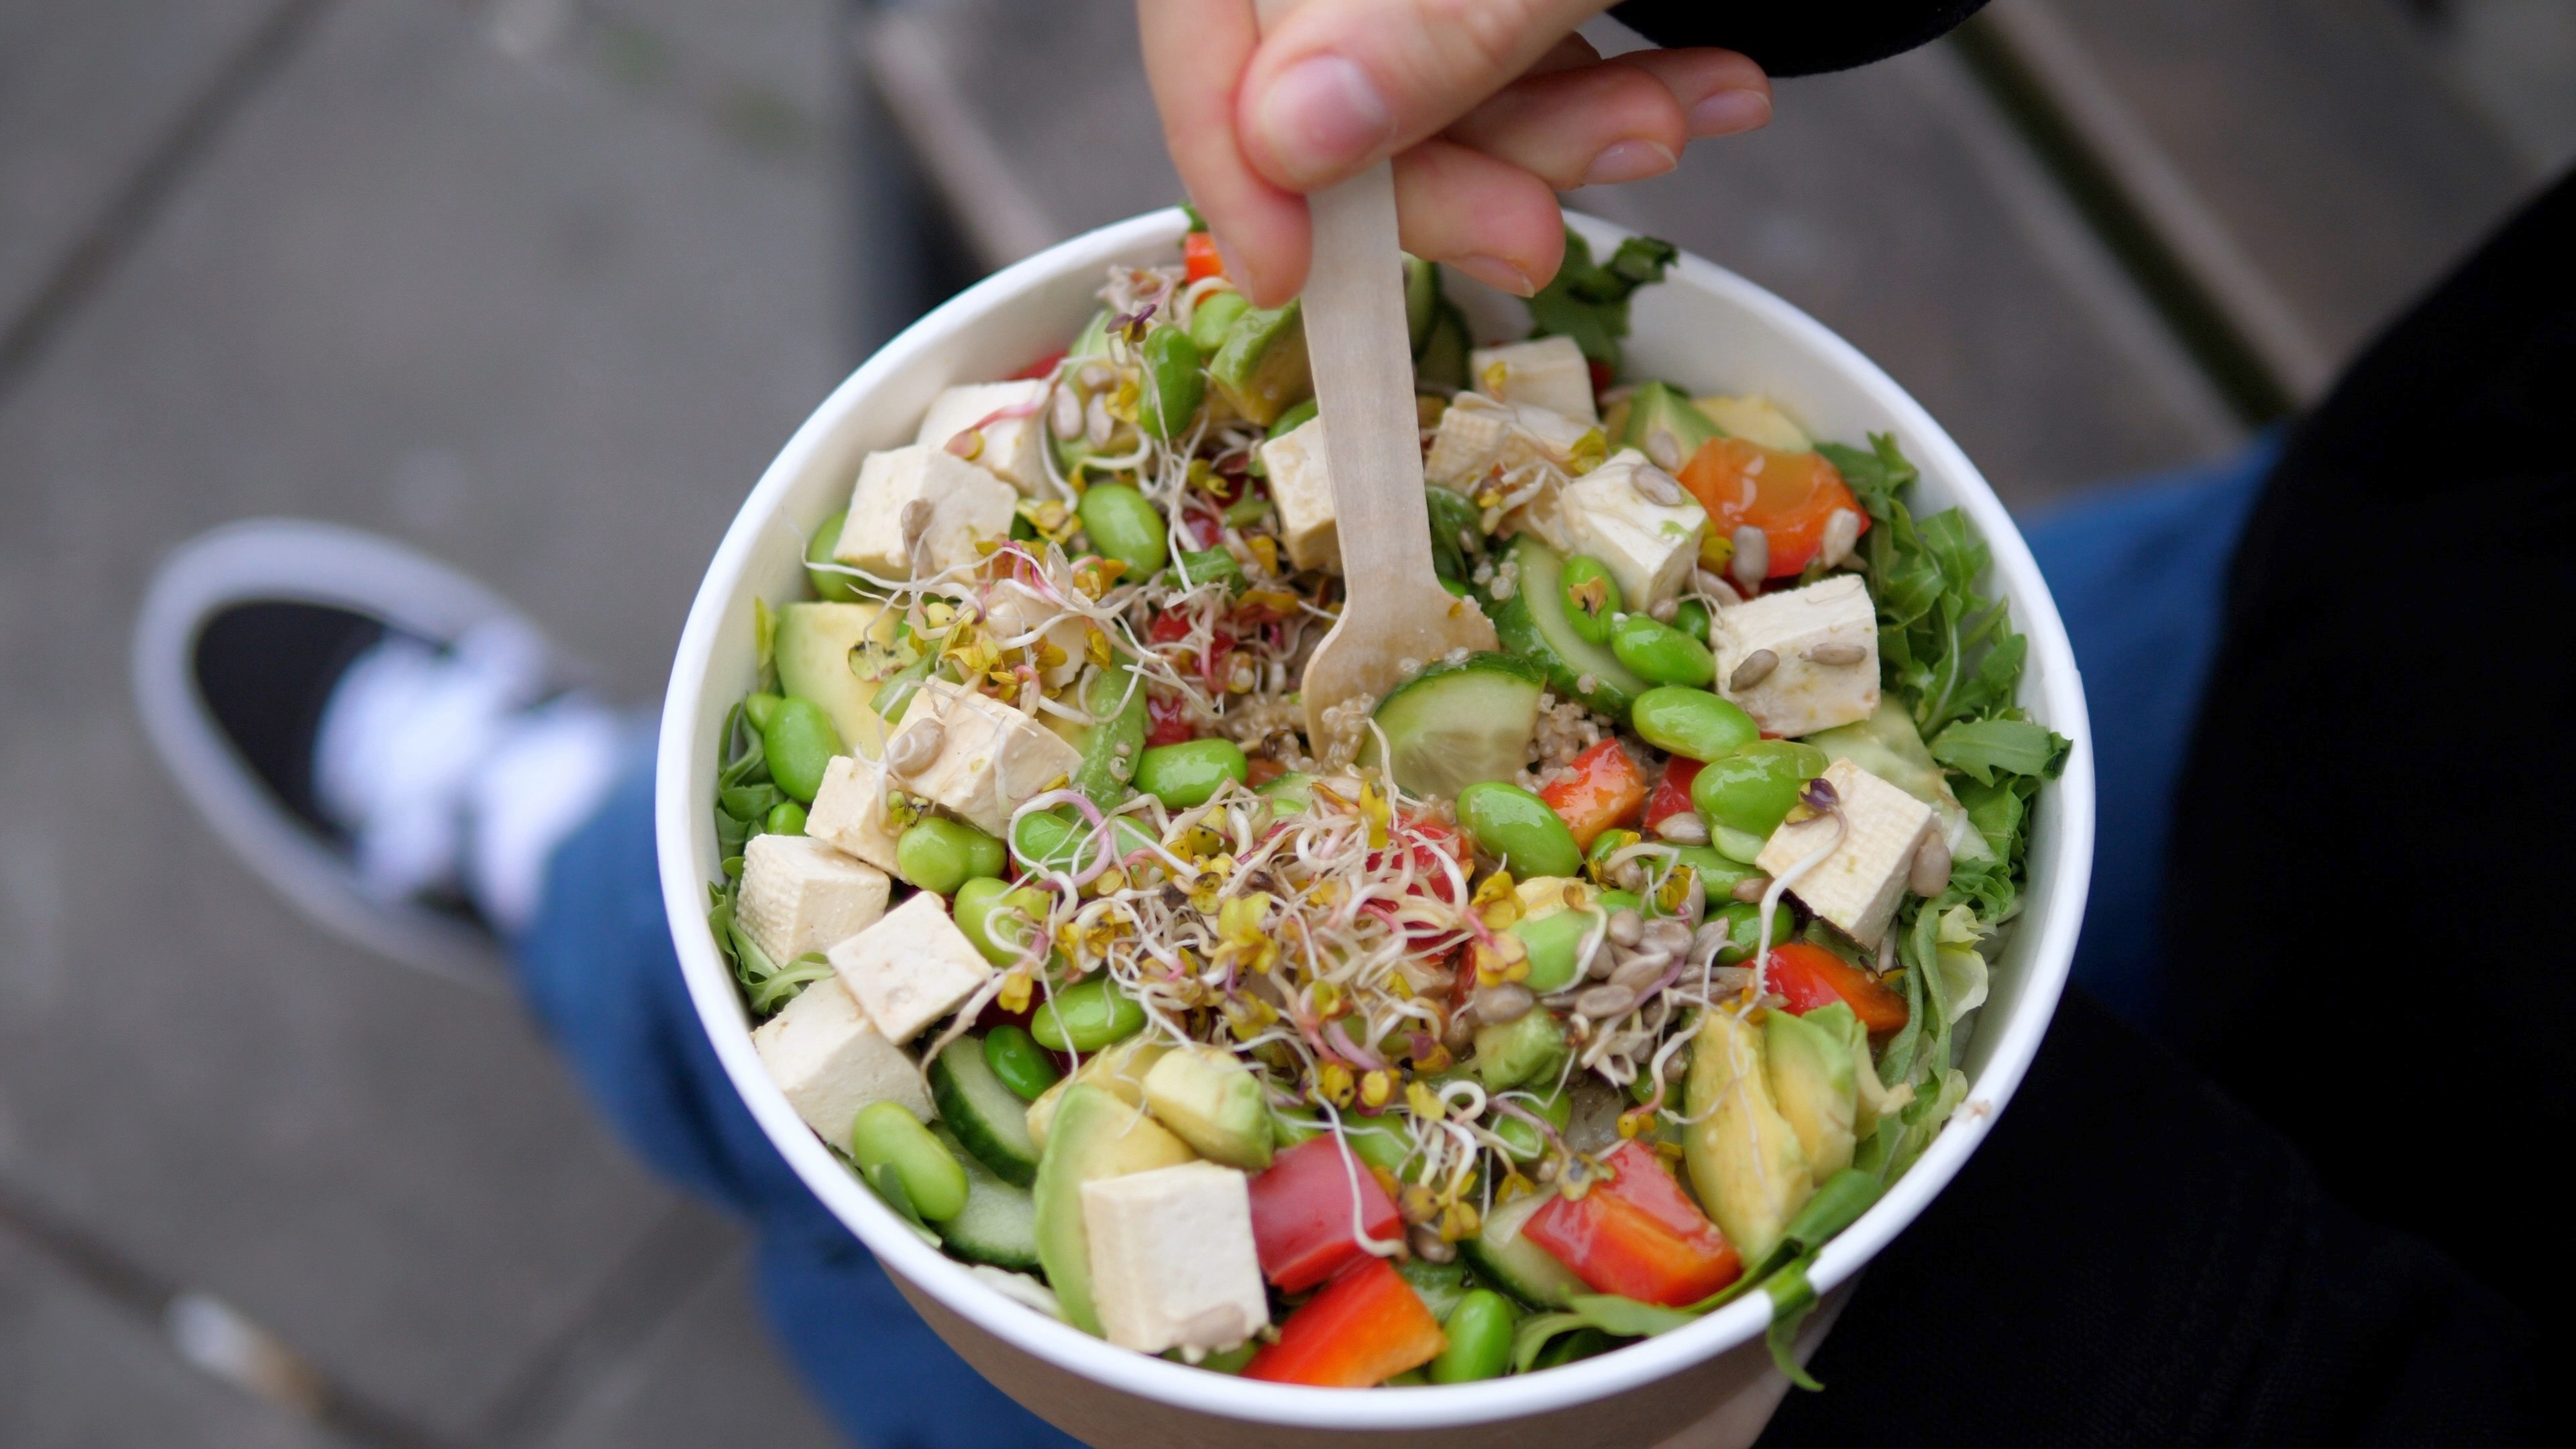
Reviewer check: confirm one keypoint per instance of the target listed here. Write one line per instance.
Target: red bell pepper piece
(1367, 1326)
(1672, 793)
(1168, 721)
(1301, 1212)
(1602, 788)
(1811, 976)
(1789, 496)
(1199, 257)
(1638, 1235)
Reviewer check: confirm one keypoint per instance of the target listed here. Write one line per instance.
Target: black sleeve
(1799, 39)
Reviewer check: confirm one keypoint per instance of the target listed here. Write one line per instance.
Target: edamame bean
(1051, 840)
(1216, 312)
(1660, 653)
(757, 708)
(1438, 1285)
(1175, 381)
(1592, 598)
(1518, 827)
(1753, 789)
(886, 1138)
(1085, 1017)
(1691, 722)
(984, 902)
(1691, 617)
(1480, 1339)
(1187, 774)
(800, 741)
(1016, 1058)
(942, 855)
(1521, 1141)
(829, 584)
(1555, 946)
(787, 819)
(1744, 930)
(1124, 526)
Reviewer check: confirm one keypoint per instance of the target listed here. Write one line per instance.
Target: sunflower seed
(1706, 941)
(1607, 960)
(1064, 417)
(1757, 667)
(911, 751)
(1429, 1246)
(1604, 1002)
(915, 520)
(1664, 448)
(1641, 971)
(1656, 486)
(1666, 934)
(1502, 1002)
(1842, 530)
(1750, 889)
(1626, 927)
(1716, 588)
(1096, 375)
(1665, 611)
(1752, 557)
(1930, 873)
(1682, 828)
(1836, 653)
(1097, 425)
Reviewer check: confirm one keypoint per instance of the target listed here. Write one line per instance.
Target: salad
(1608, 977)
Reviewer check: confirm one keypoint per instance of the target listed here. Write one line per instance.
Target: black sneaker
(384, 740)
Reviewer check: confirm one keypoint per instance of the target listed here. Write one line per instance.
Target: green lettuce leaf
(1588, 300)
(1981, 747)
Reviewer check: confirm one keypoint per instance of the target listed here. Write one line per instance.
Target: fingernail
(1728, 112)
(1495, 272)
(1320, 115)
(1623, 161)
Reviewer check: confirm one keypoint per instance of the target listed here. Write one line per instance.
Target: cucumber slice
(1532, 624)
(1505, 1258)
(987, 1116)
(1454, 725)
(999, 1224)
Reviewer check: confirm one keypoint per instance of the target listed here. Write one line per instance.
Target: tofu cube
(1009, 418)
(1478, 435)
(1825, 639)
(800, 895)
(1650, 547)
(911, 968)
(1172, 1258)
(986, 757)
(1857, 887)
(1013, 612)
(1548, 372)
(1303, 491)
(849, 814)
(967, 504)
(830, 1062)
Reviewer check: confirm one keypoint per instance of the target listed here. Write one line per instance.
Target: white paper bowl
(1703, 327)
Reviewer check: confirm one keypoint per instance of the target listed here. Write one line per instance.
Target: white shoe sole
(292, 560)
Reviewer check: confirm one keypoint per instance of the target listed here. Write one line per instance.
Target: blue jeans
(2137, 572)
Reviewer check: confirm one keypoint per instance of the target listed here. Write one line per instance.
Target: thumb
(1338, 85)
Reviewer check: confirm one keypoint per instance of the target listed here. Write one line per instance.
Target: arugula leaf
(1588, 301)
(1876, 475)
(1457, 533)
(1981, 747)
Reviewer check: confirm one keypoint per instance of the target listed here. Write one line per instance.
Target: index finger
(1338, 85)
(1195, 51)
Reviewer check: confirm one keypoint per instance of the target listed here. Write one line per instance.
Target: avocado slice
(1525, 1049)
(1756, 420)
(1120, 1071)
(1213, 1102)
(1375, 1143)
(813, 646)
(1811, 1081)
(1744, 1159)
(1660, 407)
(1260, 369)
(1096, 1136)
(1889, 746)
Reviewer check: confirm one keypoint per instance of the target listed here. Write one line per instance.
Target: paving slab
(710, 1376)
(87, 92)
(534, 315)
(77, 1370)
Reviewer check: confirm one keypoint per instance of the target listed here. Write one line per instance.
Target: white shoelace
(446, 777)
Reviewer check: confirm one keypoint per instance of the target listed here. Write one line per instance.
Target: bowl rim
(898, 1248)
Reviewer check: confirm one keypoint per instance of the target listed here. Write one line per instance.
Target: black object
(1788, 40)
(265, 671)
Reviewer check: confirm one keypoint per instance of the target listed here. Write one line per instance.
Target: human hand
(1489, 108)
